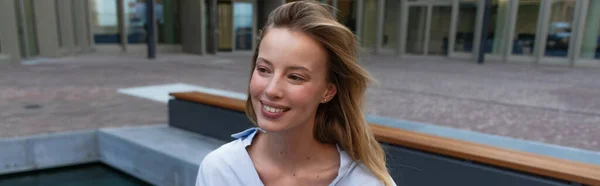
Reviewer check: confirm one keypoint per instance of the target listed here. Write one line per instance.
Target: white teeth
(273, 110)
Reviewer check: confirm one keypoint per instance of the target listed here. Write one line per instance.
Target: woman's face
(289, 80)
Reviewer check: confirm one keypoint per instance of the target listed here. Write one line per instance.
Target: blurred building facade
(32, 28)
(557, 32)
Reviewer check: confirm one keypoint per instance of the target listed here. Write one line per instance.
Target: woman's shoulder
(227, 165)
(357, 173)
(223, 154)
(231, 152)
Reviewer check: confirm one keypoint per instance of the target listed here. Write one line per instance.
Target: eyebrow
(292, 67)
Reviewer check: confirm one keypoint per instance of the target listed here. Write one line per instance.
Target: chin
(270, 126)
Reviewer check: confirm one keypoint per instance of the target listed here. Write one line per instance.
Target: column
(9, 37)
(379, 25)
(369, 24)
(90, 23)
(46, 28)
(122, 27)
(65, 25)
(192, 26)
(81, 25)
(402, 28)
(499, 33)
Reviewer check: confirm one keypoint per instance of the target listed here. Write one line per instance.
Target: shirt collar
(346, 163)
(247, 135)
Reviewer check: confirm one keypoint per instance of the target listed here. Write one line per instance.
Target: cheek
(257, 84)
(306, 95)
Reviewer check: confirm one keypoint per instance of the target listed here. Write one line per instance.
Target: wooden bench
(446, 152)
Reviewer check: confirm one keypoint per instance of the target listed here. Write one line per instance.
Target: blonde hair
(339, 121)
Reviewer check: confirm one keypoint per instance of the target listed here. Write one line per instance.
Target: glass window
(560, 26)
(590, 48)
(167, 18)
(526, 27)
(369, 23)
(496, 36)
(104, 21)
(242, 24)
(467, 14)
(167, 21)
(390, 24)
(135, 11)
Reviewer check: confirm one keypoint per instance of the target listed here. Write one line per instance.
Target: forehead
(282, 46)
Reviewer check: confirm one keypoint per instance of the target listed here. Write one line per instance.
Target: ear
(330, 92)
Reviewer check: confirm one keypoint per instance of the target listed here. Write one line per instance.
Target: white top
(231, 165)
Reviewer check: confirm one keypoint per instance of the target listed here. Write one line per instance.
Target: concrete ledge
(47, 151)
(160, 155)
(157, 154)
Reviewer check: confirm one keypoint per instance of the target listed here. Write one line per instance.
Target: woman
(305, 96)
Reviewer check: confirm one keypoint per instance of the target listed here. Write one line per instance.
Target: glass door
(439, 29)
(465, 29)
(428, 29)
(558, 38)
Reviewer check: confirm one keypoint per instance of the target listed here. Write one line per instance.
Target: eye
(261, 69)
(296, 77)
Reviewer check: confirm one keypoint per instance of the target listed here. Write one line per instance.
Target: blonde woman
(305, 96)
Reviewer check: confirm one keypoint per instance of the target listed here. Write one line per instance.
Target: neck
(295, 148)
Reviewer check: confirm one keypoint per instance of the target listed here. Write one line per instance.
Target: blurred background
(530, 70)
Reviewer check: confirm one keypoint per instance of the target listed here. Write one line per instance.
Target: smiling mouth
(273, 109)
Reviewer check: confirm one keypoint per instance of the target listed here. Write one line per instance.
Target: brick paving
(557, 105)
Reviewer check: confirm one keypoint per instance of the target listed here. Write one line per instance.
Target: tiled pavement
(557, 105)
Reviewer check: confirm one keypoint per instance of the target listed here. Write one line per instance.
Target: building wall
(65, 25)
(264, 8)
(193, 17)
(369, 25)
(80, 12)
(9, 39)
(46, 28)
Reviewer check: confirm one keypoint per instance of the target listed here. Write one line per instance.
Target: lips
(273, 111)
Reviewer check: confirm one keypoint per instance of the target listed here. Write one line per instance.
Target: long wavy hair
(339, 121)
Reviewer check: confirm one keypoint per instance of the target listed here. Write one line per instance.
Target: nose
(274, 89)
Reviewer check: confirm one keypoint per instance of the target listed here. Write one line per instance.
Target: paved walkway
(557, 105)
